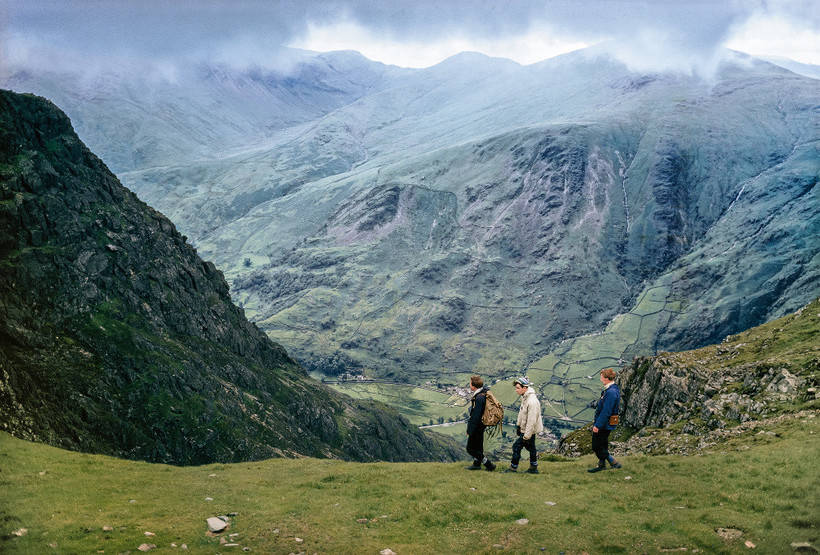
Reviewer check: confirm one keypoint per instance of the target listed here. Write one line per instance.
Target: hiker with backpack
(528, 425)
(606, 420)
(476, 425)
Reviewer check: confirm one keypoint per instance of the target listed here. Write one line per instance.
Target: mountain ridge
(511, 213)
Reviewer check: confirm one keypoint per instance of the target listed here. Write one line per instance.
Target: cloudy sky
(650, 34)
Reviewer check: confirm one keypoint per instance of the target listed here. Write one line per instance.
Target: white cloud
(767, 35)
(533, 46)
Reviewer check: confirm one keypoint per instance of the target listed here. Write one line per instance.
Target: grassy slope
(764, 485)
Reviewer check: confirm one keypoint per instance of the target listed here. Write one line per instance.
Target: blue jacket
(608, 405)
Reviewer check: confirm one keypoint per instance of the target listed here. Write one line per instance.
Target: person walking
(528, 425)
(475, 427)
(606, 419)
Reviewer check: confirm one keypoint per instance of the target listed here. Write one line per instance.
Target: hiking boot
(615, 464)
(511, 469)
(533, 470)
(474, 466)
(601, 466)
(490, 466)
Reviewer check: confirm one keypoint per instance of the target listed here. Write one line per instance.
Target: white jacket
(529, 415)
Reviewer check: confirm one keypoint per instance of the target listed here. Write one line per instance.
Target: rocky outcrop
(688, 401)
(719, 386)
(115, 337)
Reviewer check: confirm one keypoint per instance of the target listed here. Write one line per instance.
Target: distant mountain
(115, 337)
(481, 215)
(138, 117)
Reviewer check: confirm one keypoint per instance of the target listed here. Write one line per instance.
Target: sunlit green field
(763, 486)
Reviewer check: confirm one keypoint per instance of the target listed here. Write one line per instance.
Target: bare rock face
(659, 393)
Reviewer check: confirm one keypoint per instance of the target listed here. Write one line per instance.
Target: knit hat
(522, 381)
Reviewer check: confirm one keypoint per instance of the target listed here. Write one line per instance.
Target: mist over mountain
(478, 215)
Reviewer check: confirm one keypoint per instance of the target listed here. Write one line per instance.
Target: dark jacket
(477, 404)
(608, 405)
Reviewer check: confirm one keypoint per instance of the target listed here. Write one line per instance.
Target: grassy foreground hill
(758, 488)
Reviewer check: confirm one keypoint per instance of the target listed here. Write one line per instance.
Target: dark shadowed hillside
(115, 337)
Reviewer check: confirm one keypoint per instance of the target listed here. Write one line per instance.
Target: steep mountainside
(483, 216)
(116, 337)
(485, 254)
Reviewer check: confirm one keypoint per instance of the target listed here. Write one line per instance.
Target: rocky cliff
(679, 401)
(115, 337)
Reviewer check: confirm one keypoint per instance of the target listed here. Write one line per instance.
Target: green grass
(417, 404)
(767, 490)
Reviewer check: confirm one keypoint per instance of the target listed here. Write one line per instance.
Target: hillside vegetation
(759, 489)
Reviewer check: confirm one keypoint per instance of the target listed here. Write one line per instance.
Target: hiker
(528, 425)
(606, 419)
(475, 427)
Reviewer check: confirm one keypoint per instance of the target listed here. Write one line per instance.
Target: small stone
(53, 545)
(222, 541)
(550, 503)
(298, 540)
(522, 521)
(43, 473)
(276, 530)
(233, 535)
(472, 489)
(383, 516)
(803, 547)
(628, 478)
(361, 520)
(750, 545)
(231, 545)
(150, 534)
(211, 475)
(132, 500)
(146, 547)
(184, 546)
(387, 551)
(173, 545)
(216, 524)
(209, 499)
(107, 529)
(233, 514)
(20, 532)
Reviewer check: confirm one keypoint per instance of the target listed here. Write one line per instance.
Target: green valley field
(759, 488)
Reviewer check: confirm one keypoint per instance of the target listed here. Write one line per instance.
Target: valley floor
(759, 491)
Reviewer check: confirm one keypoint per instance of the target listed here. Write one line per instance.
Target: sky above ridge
(687, 35)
